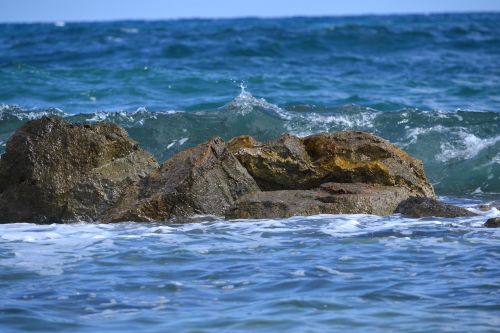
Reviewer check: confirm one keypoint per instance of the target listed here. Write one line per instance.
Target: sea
(428, 83)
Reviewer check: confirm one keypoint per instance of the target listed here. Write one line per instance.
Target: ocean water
(428, 83)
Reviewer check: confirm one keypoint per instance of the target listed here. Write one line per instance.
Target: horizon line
(262, 17)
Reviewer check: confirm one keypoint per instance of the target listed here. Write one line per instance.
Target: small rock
(486, 207)
(426, 207)
(494, 222)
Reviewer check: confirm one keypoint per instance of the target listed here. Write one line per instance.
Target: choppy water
(430, 84)
(315, 274)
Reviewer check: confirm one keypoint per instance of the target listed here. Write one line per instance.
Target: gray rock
(329, 198)
(206, 179)
(494, 222)
(53, 171)
(427, 207)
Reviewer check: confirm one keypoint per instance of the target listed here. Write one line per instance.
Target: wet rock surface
(427, 207)
(54, 171)
(329, 198)
(494, 222)
(206, 179)
(344, 157)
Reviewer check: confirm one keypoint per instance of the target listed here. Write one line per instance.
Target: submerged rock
(345, 157)
(427, 207)
(494, 222)
(206, 179)
(54, 171)
(329, 198)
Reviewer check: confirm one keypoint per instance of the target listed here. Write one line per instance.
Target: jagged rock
(345, 157)
(54, 171)
(427, 207)
(206, 179)
(494, 222)
(329, 198)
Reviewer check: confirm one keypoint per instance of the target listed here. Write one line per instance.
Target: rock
(494, 222)
(329, 198)
(292, 163)
(242, 141)
(206, 179)
(488, 206)
(426, 207)
(53, 171)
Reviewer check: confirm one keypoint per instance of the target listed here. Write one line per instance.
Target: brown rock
(54, 171)
(345, 157)
(330, 198)
(427, 207)
(206, 179)
(242, 141)
(494, 222)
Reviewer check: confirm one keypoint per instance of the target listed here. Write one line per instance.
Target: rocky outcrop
(292, 163)
(54, 171)
(427, 207)
(206, 179)
(329, 198)
(494, 222)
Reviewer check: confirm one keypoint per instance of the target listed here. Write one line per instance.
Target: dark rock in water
(427, 207)
(292, 163)
(486, 207)
(54, 171)
(494, 222)
(329, 198)
(206, 179)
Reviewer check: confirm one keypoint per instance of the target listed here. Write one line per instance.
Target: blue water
(429, 84)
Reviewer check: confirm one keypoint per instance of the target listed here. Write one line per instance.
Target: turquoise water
(429, 84)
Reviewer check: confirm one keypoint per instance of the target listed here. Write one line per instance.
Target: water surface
(428, 83)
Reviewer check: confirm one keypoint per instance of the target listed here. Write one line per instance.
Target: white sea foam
(361, 119)
(414, 133)
(332, 271)
(468, 147)
(245, 103)
(136, 117)
(51, 249)
(14, 111)
(298, 273)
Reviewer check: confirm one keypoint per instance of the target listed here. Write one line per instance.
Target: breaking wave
(460, 149)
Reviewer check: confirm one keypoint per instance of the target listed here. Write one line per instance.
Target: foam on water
(470, 146)
(94, 275)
